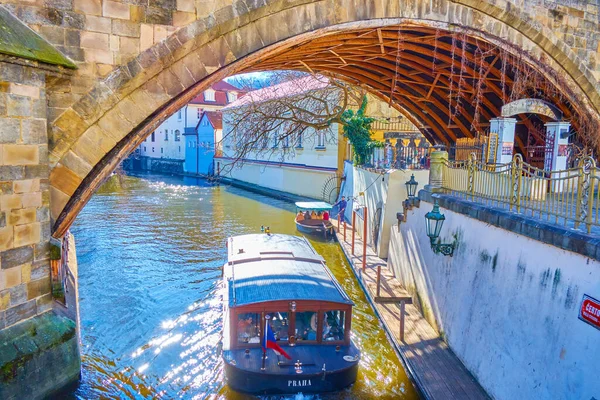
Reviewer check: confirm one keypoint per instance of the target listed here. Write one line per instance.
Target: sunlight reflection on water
(150, 254)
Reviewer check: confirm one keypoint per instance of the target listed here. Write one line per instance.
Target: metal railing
(567, 197)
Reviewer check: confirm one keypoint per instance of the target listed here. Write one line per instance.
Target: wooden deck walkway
(435, 369)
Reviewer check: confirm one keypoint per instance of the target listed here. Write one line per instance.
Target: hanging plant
(357, 128)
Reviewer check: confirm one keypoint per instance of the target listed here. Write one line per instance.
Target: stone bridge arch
(89, 139)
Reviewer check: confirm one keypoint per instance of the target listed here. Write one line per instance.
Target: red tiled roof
(214, 117)
(221, 88)
(281, 90)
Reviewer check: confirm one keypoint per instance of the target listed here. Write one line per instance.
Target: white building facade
(164, 149)
(300, 165)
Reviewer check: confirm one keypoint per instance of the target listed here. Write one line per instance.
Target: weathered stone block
(26, 273)
(22, 216)
(94, 40)
(44, 303)
(20, 154)
(181, 18)
(88, 7)
(31, 200)
(18, 293)
(98, 24)
(186, 5)
(125, 28)
(130, 45)
(26, 186)
(146, 36)
(2, 219)
(113, 9)
(6, 238)
(12, 277)
(10, 201)
(18, 106)
(20, 312)
(34, 131)
(4, 300)
(58, 200)
(138, 13)
(10, 130)
(25, 90)
(35, 171)
(27, 234)
(157, 15)
(40, 269)
(38, 288)
(98, 56)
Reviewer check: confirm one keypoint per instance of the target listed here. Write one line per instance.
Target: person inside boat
(307, 214)
(304, 330)
(246, 329)
(300, 216)
(325, 216)
(313, 215)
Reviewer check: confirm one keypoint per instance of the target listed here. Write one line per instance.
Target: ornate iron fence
(568, 197)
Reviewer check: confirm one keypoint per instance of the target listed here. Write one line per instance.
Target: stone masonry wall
(24, 195)
(99, 34)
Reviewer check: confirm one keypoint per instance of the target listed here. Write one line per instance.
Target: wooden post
(353, 229)
(378, 280)
(344, 230)
(339, 223)
(402, 321)
(365, 241)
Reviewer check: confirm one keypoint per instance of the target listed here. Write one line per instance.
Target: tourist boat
(316, 225)
(279, 285)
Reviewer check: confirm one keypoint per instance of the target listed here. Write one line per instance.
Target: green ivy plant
(357, 128)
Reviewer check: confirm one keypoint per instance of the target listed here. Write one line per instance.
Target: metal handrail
(566, 197)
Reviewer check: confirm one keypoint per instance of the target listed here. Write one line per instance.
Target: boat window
(280, 325)
(306, 325)
(334, 323)
(248, 328)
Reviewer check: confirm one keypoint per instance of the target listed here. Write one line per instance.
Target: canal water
(150, 252)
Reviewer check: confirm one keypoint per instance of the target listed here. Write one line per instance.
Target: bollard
(364, 260)
(345, 230)
(402, 321)
(378, 279)
(353, 229)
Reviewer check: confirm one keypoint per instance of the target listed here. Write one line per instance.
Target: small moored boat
(312, 217)
(287, 321)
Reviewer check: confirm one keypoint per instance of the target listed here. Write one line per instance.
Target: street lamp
(411, 187)
(435, 220)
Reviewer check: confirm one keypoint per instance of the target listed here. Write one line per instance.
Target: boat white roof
(263, 268)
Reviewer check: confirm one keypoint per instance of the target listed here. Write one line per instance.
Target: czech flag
(270, 343)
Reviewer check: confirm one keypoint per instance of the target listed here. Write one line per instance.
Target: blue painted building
(201, 144)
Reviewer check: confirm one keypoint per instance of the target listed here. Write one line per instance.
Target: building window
(153, 149)
(286, 141)
(152, 138)
(180, 149)
(177, 135)
(320, 139)
(166, 135)
(299, 143)
(209, 95)
(231, 97)
(275, 141)
(179, 115)
(161, 150)
(198, 112)
(144, 148)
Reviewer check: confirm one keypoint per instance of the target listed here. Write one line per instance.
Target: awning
(314, 205)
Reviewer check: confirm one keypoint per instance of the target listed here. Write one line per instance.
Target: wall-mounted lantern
(293, 306)
(411, 186)
(435, 220)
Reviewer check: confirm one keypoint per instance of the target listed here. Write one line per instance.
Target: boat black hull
(318, 231)
(265, 383)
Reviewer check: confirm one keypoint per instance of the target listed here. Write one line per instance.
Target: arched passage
(91, 137)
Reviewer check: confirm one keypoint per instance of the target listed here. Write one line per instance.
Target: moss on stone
(19, 344)
(16, 39)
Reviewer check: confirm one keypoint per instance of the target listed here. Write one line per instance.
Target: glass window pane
(248, 328)
(334, 323)
(280, 325)
(306, 325)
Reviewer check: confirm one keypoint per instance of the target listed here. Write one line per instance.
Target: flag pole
(264, 358)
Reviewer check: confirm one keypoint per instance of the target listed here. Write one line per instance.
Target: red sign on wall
(590, 311)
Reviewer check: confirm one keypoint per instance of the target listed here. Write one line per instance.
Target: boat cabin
(294, 288)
